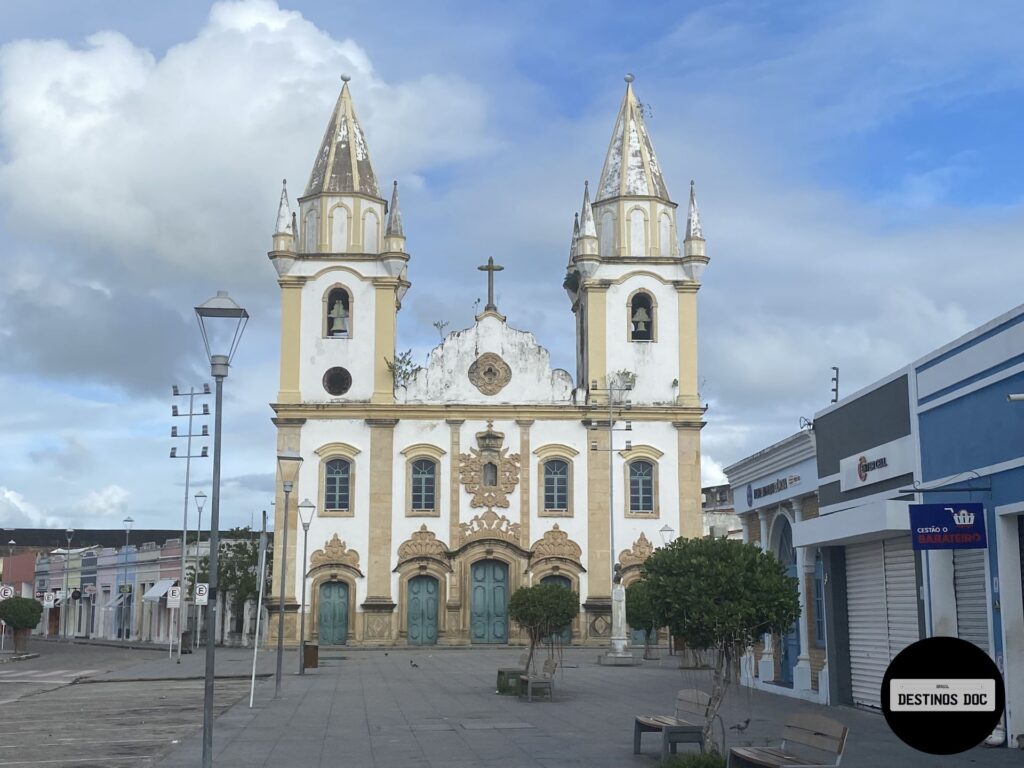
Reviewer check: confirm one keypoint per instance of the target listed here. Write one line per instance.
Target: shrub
(21, 612)
(697, 760)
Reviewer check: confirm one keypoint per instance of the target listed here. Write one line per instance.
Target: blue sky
(858, 166)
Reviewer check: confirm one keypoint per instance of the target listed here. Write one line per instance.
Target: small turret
(694, 254)
(284, 235)
(394, 237)
(588, 243)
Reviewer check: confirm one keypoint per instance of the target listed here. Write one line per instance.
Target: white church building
(442, 490)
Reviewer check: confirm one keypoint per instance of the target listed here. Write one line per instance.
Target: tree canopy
(21, 612)
(720, 595)
(542, 610)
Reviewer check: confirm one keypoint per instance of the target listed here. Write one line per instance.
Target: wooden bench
(808, 741)
(685, 727)
(544, 681)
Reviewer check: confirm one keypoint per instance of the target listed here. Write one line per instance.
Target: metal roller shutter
(881, 601)
(900, 595)
(971, 603)
(869, 644)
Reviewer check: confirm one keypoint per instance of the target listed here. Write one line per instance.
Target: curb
(91, 680)
(19, 657)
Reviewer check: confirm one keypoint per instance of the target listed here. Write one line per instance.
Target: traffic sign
(48, 600)
(6, 591)
(174, 597)
(202, 593)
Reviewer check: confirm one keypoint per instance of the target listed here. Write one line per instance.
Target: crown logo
(963, 518)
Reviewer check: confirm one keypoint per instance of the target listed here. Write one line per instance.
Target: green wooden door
(422, 602)
(565, 636)
(489, 602)
(333, 613)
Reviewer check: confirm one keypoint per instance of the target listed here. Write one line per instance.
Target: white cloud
(110, 501)
(17, 512)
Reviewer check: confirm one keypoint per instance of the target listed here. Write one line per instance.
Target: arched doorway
(488, 618)
(421, 600)
(333, 613)
(789, 650)
(565, 636)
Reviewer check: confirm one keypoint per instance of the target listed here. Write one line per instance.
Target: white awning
(158, 590)
(116, 602)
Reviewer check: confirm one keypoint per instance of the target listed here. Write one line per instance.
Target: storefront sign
(883, 462)
(945, 526)
(125, 589)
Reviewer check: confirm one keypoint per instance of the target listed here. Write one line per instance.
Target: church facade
(441, 490)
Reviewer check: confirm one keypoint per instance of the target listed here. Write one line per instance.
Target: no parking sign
(6, 591)
(202, 593)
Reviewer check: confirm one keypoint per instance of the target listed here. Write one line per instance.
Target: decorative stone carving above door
(489, 472)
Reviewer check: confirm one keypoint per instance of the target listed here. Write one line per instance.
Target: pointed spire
(283, 212)
(343, 162)
(588, 227)
(575, 238)
(694, 230)
(630, 167)
(394, 227)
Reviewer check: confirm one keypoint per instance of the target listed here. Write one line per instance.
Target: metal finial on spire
(630, 77)
(345, 77)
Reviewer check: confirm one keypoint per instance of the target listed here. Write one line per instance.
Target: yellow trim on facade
(478, 412)
(688, 395)
(542, 510)
(385, 320)
(291, 334)
(327, 453)
(555, 450)
(642, 452)
(378, 567)
(432, 454)
(597, 332)
(424, 449)
(337, 449)
(655, 485)
(599, 561)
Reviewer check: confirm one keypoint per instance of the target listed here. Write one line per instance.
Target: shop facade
(774, 490)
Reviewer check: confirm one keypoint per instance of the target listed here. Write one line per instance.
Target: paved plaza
(366, 708)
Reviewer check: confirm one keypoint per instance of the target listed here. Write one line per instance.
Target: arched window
(607, 245)
(424, 483)
(339, 229)
(641, 317)
(490, 474)
(637, 233)
(339, 314)
(641, 486)
(370, 226)
(556, 485)
(336, 484)
(309, 231)
(665, 234)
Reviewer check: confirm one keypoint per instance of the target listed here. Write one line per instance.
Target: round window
(337, 381)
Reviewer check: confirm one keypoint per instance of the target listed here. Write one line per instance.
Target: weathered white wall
(445, 380)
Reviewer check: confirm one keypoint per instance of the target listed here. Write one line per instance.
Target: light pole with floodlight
(200, 502)
(288, 463)
(221, 322)
(66, 602)
(306, 509)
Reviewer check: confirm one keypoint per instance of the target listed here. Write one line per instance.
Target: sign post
(948, 526)
(174, 603)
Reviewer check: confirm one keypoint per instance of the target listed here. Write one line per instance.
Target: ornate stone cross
(490, 268)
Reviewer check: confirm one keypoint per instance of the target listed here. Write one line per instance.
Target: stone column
(598, 605)
(766, 666)
(378, 605)
(805, 573)
(291, 321)
(691, 518)
(525, 463)
(454, 602)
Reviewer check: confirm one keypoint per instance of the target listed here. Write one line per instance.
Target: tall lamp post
(222, 322)
(66, 602)
(618, 638)
(288, 463)
(668, 534)
(200, 501)
(126, 626)
(306, 509)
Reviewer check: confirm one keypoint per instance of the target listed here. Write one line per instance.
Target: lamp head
(306, 510)
(288, 463)
(221, 321)
(200, 500)
(128, 523)
(668, 534)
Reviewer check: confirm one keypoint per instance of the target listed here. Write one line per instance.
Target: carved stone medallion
(489, 373)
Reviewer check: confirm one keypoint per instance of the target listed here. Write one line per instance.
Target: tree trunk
(717, 695)
(21, 640)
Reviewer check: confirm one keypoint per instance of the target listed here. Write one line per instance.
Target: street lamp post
(668, 534)
(288, 463)
(66, 602)
(200, 501)
(127, 596)
(618, 638)
(306, 509)
(221, 322)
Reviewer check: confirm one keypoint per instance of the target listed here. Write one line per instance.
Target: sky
(858, 167)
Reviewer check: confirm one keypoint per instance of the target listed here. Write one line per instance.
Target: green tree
(542, 610)
(720, 595)
(640, 611)
(21, 614)
(237, 569)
